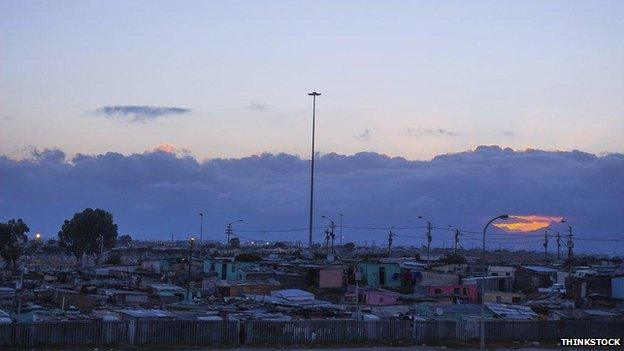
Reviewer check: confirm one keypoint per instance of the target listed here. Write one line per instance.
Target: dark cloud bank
(134, 113)
(155, 193)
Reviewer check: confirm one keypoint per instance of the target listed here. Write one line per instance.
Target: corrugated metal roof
(518, 312)
(540, 269)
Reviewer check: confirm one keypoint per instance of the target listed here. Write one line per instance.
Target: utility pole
(311, 225)
(358, 277)
(341, 236)
(546, 245)
(190, 262)
(327, 236)
(333, 236)
(456, 239)
(201, 227)
(558, 246)
(228, 233)
(390, 239)
(329, 233)
(429, 237)
(570, 254)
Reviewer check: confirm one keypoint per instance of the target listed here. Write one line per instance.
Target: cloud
(438, 132)
(134, 114)
(364, 136)
(156, 193)
(257, 106)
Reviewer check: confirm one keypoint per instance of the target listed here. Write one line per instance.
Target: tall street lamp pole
(483, 273)
(429, 237)
(314, 94)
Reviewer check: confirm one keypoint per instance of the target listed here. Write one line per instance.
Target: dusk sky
(154, 109)
(412, 79)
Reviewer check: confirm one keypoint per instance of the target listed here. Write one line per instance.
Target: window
(464, 291)
(437, 291)
(456, 291)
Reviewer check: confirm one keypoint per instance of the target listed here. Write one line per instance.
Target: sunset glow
(526, 223)
(166, 147)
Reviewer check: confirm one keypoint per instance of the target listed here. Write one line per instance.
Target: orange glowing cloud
(166, 147)
(526, 223)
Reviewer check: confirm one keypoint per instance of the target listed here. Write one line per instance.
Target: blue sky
(412, 79)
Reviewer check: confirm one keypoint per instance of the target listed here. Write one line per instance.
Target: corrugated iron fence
(325, 331)
(63, 333)
(232, 333)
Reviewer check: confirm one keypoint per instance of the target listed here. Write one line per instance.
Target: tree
(349, 247)
(454, 259)
(280, 245)
(12, 239)
(114, 259)
(247, 257)
(235, 243)
(88, 232)
(124, 240)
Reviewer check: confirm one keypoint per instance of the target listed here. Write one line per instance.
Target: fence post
(131, 332)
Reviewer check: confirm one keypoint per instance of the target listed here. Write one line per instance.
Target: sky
(413, 79)
(156, 110)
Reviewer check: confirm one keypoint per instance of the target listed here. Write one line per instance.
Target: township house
(379, 273)
(232, 288)
(530, 278)
(375, 296)
(456, 293)
(227, 268)
(167, 293)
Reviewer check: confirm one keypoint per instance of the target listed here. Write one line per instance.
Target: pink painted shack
(377, 296)
(456, 293)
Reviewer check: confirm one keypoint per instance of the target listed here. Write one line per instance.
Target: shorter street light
(483, 273)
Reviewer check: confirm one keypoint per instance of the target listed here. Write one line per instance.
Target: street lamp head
(314, 93)
(421, 217)
(563, 220)
(503, 216)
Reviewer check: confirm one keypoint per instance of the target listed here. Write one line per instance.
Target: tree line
(89, 232)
